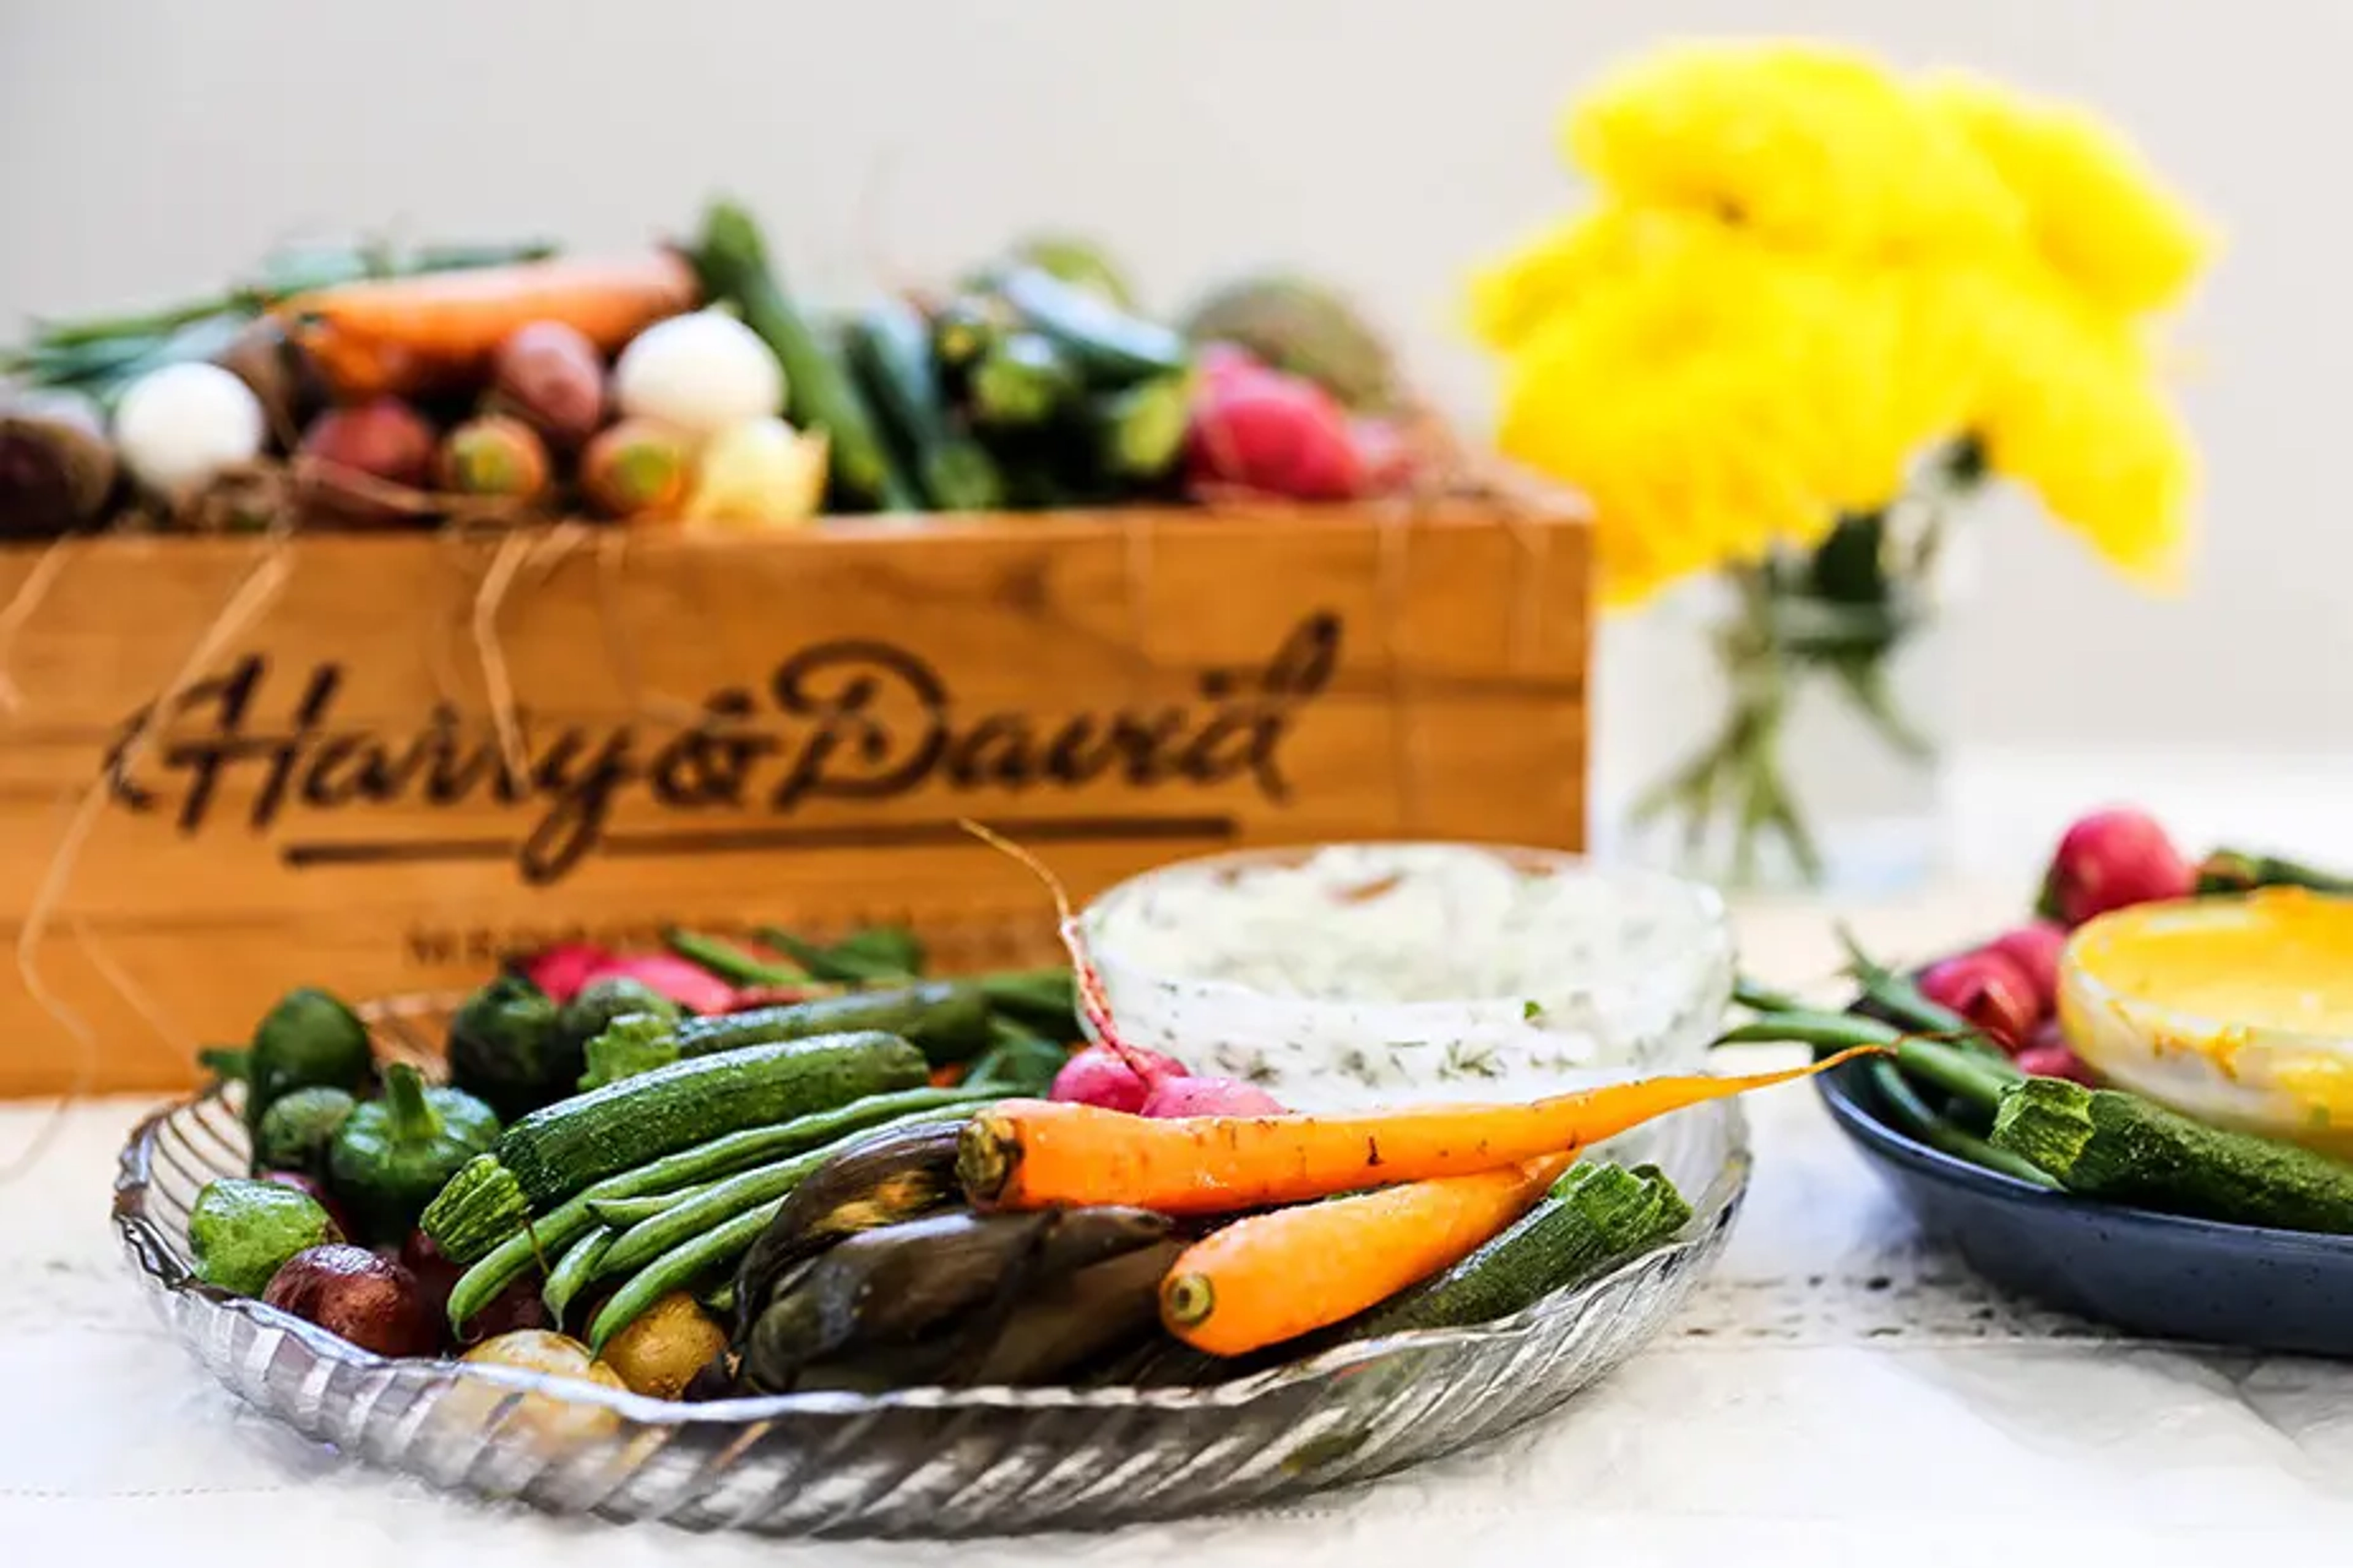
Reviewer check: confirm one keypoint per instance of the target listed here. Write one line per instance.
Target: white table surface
(1841, 1390)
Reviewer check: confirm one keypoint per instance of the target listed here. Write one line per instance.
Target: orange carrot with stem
(437, 330)
(1273, 1277)
(1032, 1154)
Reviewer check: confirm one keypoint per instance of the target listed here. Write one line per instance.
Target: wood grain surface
(403, 756)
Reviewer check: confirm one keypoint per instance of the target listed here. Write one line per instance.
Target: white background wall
(148, 147)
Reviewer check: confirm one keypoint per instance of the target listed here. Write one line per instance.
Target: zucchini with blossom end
(499, 1256)
(2109, 1145)
(577, 1143)
(475, 1209)
(1594, 1215)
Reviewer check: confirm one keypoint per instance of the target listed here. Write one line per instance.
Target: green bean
(680, 1265)
(723, 1200)
(623, 1213)
(503, 1264)
(571, 1219)
(731, 962)
(574, 1270)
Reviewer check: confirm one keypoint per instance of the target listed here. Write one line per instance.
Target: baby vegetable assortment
(759, 1165)
(2171, 1035)
(685, 384)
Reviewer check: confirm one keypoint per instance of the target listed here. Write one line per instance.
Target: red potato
(550, 376)
(355, 1295)
(347, 454)
(383, 438)
(516, 1307)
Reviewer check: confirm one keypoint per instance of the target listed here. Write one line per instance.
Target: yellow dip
(2238, 1011)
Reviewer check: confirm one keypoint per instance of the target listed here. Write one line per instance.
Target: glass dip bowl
(1359, 974)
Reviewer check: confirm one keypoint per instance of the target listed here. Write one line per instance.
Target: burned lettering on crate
(855, 720)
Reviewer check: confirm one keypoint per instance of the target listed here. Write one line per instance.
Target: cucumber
(948, 1020)
(962, 329)
(732, 260)
(1109, 347)
(556, 1151)
(1023, 382)
(1140, 432)
(889, 349)
(1595, 1216)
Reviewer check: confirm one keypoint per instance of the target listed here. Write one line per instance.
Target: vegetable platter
(720, 1259)
(686, 384)
(2127, 1107)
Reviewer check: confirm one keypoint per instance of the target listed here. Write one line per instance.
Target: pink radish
(1988, 990)
(2109, 860)
(560, 971)
(689, 985)
(1100, 1076)
(1161, 1075)
(1275, 434)
(2048, 1055)
(2036, 949)
(1174, 1097)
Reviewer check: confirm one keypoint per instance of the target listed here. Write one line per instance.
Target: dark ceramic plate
(2155, 1275)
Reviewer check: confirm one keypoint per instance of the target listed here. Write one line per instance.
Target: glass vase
(1823, 766)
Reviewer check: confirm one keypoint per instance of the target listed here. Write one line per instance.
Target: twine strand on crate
(255, 592)
(21, 606)
(151, 1013)
(498, 687)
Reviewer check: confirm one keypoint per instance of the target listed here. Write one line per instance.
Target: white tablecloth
(1841, 1390)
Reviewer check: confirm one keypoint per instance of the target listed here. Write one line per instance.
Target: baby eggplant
(1071, 1322)
(884, 1180)
(927, 1279)
(887, 1286)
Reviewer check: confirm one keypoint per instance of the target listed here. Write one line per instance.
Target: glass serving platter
(917, 1461)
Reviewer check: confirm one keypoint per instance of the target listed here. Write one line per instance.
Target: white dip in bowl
(1382, 973)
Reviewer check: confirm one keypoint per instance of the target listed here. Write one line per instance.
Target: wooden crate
(719, 731)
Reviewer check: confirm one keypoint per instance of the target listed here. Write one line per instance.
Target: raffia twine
(255, 591)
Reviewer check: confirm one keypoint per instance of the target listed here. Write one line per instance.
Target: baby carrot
(438, 329)
(1029, 1154)
(1273, 1277)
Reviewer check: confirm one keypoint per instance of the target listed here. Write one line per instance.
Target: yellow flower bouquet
(1811, 302)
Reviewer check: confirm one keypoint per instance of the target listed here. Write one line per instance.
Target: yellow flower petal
(2096, 210)
(1806, 144)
